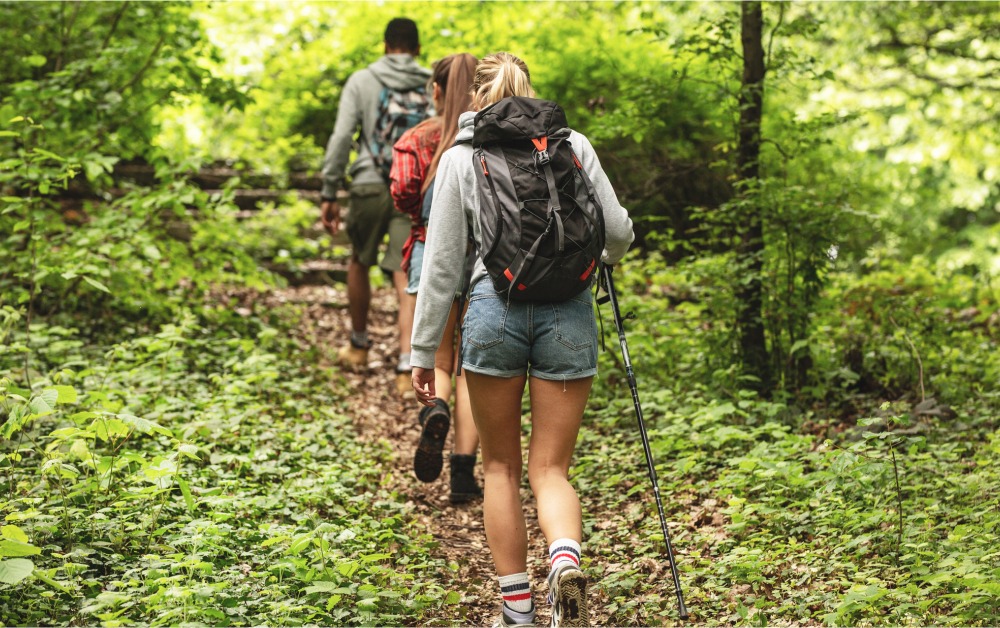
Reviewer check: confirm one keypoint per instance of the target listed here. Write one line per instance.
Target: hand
(330, 215)
(423, 384)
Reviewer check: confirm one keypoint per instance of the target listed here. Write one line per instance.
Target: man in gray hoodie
(372, 214)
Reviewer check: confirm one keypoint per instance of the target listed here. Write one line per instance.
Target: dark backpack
(398, 110)
(542, 227)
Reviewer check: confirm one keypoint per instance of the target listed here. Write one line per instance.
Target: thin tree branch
(777, 146)
(145, 66)
(770, 41)
(975, 82)
(114, 26)
(65, 32)
(89, 70)
(916, 354)
(899, 499)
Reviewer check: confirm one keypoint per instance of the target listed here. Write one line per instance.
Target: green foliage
(641, 90)
(168, 458)
(797, 512)
(915, 87)
(123, 256)
(284, 234)
(195, 474)
(95, 72)
(85, 84)
(889, 522)
(903, 328)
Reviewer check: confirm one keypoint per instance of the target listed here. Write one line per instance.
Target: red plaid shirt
(411, 156)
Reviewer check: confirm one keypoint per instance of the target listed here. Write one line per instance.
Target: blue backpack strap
(378, 105)
(425, 208)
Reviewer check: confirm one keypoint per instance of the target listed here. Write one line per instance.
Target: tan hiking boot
(352, 357)
(404, 384)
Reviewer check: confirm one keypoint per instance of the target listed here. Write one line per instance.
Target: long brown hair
(453, 75)
(499, 76)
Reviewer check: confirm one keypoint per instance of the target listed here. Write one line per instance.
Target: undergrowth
(200, 473)
(884, 510)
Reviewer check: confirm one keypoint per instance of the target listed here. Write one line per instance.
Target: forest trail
(378, 414)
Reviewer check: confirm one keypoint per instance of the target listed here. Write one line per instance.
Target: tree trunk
(750, 323)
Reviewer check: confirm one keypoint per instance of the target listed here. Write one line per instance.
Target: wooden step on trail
(252, 199)
(214, 177)
(311, 273)
(250, 192)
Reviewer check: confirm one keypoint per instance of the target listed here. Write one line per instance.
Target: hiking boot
(353, 356)
(434, 421)
(404, 384)
(568, 596)
(505, 620)
(463, 479)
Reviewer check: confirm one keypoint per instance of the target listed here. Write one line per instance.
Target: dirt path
(380, 415)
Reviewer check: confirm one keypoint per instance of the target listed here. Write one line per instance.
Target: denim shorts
(416, 261)
(554, 341)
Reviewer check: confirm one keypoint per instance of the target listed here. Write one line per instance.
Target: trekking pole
(612, 296)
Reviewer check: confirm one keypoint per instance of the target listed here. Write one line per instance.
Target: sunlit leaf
(97, 284)
(15, 570)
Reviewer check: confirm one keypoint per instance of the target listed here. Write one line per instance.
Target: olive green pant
(370, 218)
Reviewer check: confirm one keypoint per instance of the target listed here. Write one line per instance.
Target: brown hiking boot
(353, 357)
(404, 384)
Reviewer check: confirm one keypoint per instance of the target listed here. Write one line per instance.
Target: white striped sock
(564, 551)
(516, 592)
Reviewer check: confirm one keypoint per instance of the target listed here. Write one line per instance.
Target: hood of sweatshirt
(400, 72)
(466, 126)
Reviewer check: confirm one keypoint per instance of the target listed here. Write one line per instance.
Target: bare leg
(445, 362)
(359, 294)
(466, 435)
(556, 412)
(407, 306)
(496, 406)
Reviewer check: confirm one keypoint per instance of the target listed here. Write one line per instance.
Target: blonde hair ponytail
(498, 76)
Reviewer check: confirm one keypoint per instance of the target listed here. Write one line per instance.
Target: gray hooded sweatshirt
(456, 205)
(359, 107)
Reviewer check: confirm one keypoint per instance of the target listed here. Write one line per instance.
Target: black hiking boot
(434, 421)
(463, 479)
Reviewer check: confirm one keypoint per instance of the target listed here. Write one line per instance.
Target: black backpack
(542, 227)
(398, 110)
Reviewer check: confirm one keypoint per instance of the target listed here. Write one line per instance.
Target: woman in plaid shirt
(414, 163)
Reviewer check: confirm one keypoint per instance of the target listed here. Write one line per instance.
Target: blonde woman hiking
(530, 320)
